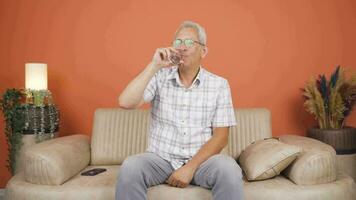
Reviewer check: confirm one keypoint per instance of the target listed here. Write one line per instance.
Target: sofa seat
(102, 187)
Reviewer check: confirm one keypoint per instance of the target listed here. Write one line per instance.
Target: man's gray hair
(197, 27)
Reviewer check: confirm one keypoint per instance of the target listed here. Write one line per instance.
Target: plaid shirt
(182, 118)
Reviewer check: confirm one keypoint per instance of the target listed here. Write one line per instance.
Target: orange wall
(266, 49)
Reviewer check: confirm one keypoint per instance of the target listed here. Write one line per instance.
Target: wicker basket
(343, 140)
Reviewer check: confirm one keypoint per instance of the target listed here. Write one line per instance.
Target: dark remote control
(93, 172)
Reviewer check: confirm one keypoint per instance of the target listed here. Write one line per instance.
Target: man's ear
(204, 51)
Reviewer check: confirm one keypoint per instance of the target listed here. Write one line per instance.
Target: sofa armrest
(315, 165)
(53, 162)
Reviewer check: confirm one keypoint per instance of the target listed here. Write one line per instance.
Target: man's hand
(161, 57)
(181, 177)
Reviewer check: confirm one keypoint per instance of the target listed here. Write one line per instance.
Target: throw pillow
(265, 159)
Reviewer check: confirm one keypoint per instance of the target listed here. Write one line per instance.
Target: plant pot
(343, 140)
(34, 115)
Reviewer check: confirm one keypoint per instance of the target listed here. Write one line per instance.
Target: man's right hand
(132, 96)
(161, 57)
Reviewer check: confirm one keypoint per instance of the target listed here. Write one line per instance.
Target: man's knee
(227, 168)
(131, 169)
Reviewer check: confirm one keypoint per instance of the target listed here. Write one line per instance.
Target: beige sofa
(52, 168)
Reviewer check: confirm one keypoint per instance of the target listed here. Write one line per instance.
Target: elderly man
(191, 114)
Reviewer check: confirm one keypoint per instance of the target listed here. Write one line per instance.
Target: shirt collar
(175, 75)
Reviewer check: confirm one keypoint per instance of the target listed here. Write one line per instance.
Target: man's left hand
(181, 177)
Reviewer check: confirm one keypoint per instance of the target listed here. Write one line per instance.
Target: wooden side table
(347, 164)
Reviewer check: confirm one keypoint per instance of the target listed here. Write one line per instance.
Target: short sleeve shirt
(182, 119)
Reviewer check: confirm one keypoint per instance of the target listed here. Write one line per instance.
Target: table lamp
(42, 116)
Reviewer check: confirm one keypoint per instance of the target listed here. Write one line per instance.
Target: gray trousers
(220, 173)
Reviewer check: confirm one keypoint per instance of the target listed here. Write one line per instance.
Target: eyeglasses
(187, 42)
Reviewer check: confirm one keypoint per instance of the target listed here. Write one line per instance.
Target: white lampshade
(36, 76)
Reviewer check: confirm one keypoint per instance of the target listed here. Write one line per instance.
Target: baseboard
(2, 193)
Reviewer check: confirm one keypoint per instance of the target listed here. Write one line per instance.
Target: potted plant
(330, 102)
(30, 117)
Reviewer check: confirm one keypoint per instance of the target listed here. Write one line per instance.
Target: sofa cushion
(252, 124)
(315, 165)
(265, 159)
(119, 133)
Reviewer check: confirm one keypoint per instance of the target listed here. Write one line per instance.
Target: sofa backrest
(119, 133)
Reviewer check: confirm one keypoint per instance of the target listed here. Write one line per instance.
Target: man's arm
(132, 96)
(213, 146)
(183, 176)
